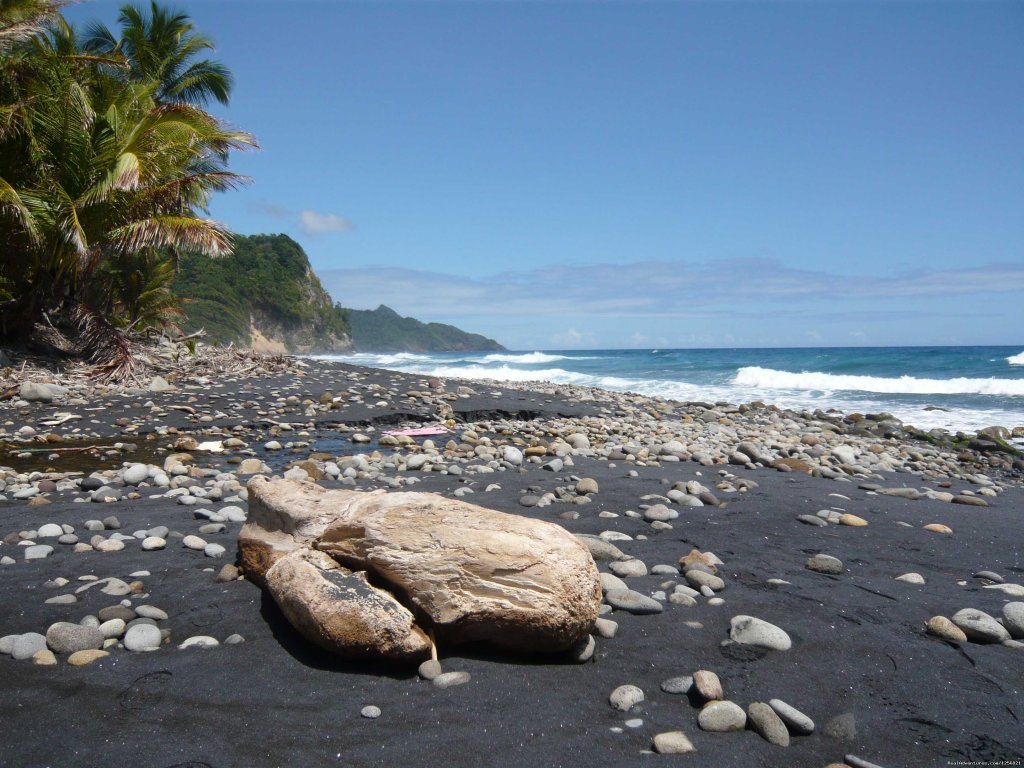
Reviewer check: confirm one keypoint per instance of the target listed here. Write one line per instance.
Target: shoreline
(970, 401)
(742, 480)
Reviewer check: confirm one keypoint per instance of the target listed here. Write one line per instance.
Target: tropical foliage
(266, 280)
(108, 160)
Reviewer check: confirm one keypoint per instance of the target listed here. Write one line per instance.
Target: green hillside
(384, 330)
(266, 282)
(267, 285)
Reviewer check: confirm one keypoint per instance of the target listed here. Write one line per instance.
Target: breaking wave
(767, 378)
(527, 358)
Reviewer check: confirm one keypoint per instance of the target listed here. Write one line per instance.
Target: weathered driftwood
(464, 573)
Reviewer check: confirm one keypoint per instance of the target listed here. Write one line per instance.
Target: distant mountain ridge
(384, 330)
(265, 295)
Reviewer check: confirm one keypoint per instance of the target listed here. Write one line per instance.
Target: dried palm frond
(110, 347)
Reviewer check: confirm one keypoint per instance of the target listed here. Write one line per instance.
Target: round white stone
(142, 637)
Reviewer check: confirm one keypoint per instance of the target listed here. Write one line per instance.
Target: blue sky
(619, 174)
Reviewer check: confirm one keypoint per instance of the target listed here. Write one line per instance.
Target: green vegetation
(107, 159)
(267, 279)
(384, 330)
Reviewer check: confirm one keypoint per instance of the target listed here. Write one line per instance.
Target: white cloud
(682, 291)
(309, 222)
(314, 223)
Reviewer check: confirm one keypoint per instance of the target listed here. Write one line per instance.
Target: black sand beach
(859, 642)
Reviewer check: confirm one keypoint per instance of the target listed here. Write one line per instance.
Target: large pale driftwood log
(466, 573)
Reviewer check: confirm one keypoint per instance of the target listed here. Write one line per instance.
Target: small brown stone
(44, 658)
(942, 627)
(708, 685)
(696, 557)
(83, 658)
(938, 528)
(311, 469)
(792, 465)
(852, 520)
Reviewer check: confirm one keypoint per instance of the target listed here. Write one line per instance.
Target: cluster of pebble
(135, 628)
(979, 627)
(629, 428)
(775, 721)
(151, 539)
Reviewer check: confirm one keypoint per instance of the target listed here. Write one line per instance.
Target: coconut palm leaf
(11, 204)
(23, 20)
(169, 231)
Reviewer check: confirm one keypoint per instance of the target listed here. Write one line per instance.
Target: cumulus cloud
(314, 223)
(308, 221)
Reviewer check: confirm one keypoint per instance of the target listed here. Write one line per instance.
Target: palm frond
(124, 175)
(109, 347)
(183, 232)
(201, 82)
(23, 20)
(69, 225)
(12, 204)
(99, 40)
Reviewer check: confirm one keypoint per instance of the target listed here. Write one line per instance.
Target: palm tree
(162, 48)
(102, 183)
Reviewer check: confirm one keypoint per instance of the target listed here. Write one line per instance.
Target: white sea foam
(379, 360)
(1016, 359)
(767, 378)
(527, 358)
(796, 391)
(507, 373)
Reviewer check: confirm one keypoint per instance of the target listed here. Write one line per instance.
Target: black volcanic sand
(859, 644)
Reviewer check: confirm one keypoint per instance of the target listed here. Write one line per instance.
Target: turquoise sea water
(955, 388)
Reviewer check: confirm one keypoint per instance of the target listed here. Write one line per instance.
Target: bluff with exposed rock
(264, 295)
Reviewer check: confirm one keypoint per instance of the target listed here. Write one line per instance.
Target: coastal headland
(848, 534)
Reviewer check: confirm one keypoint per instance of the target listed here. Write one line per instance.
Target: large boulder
(464, 573)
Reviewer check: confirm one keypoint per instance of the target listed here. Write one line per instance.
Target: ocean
(953, 388)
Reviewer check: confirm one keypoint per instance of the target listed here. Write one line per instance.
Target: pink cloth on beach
(419, 432)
